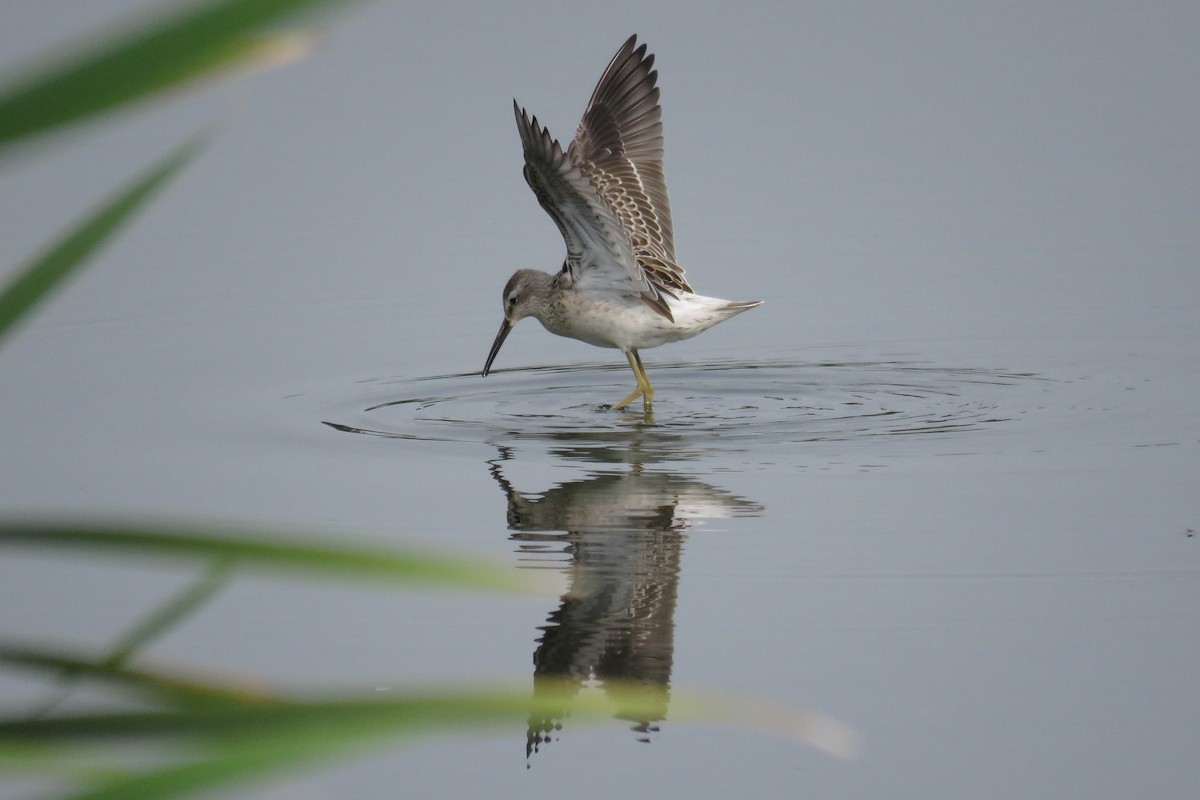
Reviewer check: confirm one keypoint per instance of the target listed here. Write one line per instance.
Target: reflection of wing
(611, 503)
(619, 147)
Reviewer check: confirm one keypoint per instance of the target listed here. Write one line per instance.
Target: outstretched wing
(598, 247)
(619, 147)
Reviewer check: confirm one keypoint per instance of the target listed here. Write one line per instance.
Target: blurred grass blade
(295, 719)
(175, 687)
(279, 553)
(132, 65)
(46, 270)
(809, 728)
(167, 616)
(234, 745)
(158, 622)
(237, 743)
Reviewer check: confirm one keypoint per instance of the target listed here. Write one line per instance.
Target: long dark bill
(505, 327)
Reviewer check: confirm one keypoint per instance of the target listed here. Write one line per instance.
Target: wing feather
(619, 148)
(598, 246)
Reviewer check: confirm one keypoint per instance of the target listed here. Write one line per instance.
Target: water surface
(941, 486)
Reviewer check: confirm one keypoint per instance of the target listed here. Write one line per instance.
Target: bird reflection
(623, 533)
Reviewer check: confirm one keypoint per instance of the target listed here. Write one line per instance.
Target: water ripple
(699, 408)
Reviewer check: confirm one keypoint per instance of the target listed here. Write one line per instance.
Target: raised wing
(619, 147)
(598, 247)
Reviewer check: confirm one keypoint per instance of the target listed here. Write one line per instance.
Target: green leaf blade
(45, 271)
(232, 744)
(279, 553)
(134, 65)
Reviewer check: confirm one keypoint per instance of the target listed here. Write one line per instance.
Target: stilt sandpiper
(619, 285)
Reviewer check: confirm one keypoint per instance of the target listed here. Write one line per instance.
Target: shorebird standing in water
(619, 285)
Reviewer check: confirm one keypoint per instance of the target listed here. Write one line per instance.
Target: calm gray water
(942, 486)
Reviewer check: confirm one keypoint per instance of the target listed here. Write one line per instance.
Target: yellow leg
(644, 390)
(644, 381)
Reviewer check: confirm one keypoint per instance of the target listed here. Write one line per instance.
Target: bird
(620, 285)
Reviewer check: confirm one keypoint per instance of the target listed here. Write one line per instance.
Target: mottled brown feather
(619, 148)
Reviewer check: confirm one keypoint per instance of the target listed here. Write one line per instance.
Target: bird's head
(524, 296)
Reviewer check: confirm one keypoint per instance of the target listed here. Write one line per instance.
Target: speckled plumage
(619, 286)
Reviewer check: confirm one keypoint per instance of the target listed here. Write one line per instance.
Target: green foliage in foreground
(46, 271)
(198, 732)
(143, 60)
(211, 735)
(311, 557)
(132, 65)
(208, 734)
